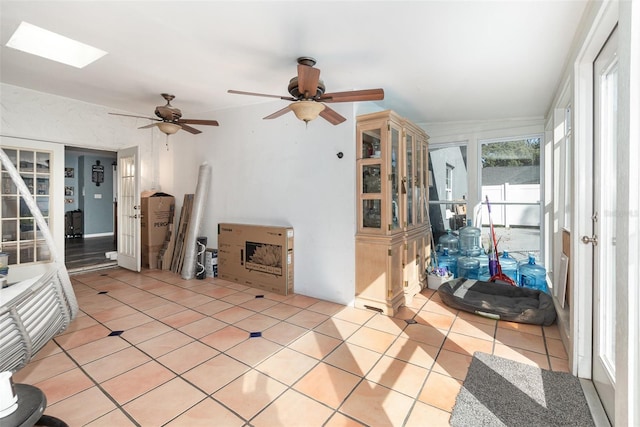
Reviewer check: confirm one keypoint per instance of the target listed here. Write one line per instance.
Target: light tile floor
(152, 349)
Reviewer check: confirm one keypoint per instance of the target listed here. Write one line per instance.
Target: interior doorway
(89, 208)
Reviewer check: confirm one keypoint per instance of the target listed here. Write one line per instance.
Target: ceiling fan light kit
(307, 110)
(169, 128)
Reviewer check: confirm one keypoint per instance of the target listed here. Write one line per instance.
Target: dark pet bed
(499, 301)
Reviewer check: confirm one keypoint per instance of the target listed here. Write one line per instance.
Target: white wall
(279, 172)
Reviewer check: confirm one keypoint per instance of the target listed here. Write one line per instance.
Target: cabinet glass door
(371, 144)
(419, 183)
(395, 178)
(409, 180)
(370, 179)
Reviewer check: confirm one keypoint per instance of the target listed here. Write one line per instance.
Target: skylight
(38, 41)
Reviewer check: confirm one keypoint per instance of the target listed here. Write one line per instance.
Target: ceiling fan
(170, 119)
(308, 93)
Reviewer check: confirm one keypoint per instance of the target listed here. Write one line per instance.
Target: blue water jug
(450, 262)
(509, 266)
(533, 276)
(468, 267)
(448, 241)
(470, 240)
(483, 267)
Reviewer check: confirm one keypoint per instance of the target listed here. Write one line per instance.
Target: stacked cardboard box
(156, 213)
(257, 256)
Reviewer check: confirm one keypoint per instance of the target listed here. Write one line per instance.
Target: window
(510, 178)
(448, 184)
(21, 238)
(447, 202)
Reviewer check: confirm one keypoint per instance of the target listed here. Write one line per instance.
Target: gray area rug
(501, 392)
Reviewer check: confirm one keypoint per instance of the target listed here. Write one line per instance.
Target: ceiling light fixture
(306, 110)
(169, 128)
(47, 44)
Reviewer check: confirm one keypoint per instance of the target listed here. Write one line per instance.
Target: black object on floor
(499, 301)
(502, 392)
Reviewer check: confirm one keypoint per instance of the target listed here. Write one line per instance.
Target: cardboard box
(434, 282)
(211, 262)
(156, 213)
(257, 256)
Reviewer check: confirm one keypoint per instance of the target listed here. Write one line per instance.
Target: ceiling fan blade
(148, 126)
(331, 116)
(239, 92)
(354, 95)
(278, 113)
(308, 78)
(139, 117)
(189, 129)
(198, 122)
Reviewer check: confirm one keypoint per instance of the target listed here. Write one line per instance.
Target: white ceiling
(436, 60)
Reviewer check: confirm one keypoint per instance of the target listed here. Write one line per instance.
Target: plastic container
(449, 241)
(533, 276)
(483, 267)
(468, 267)
(509, 266)
(450, 262)
(470, 240)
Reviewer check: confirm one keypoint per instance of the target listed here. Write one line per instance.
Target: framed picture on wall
(68, 172)
(68, 191)
(68, 201)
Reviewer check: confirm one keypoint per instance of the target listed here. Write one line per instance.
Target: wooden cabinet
(393, 233)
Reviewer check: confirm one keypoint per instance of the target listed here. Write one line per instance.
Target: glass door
(603, 240)
(409, 180)
(395, 178)
(22, 240)
(129, 255)
(40, 164)
(370, 180)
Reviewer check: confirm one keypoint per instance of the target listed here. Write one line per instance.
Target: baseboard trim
(88, 236)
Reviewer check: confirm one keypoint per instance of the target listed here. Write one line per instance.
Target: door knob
(593, 240)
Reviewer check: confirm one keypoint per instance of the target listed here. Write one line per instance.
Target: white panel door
(603, 239)
(129, 209)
